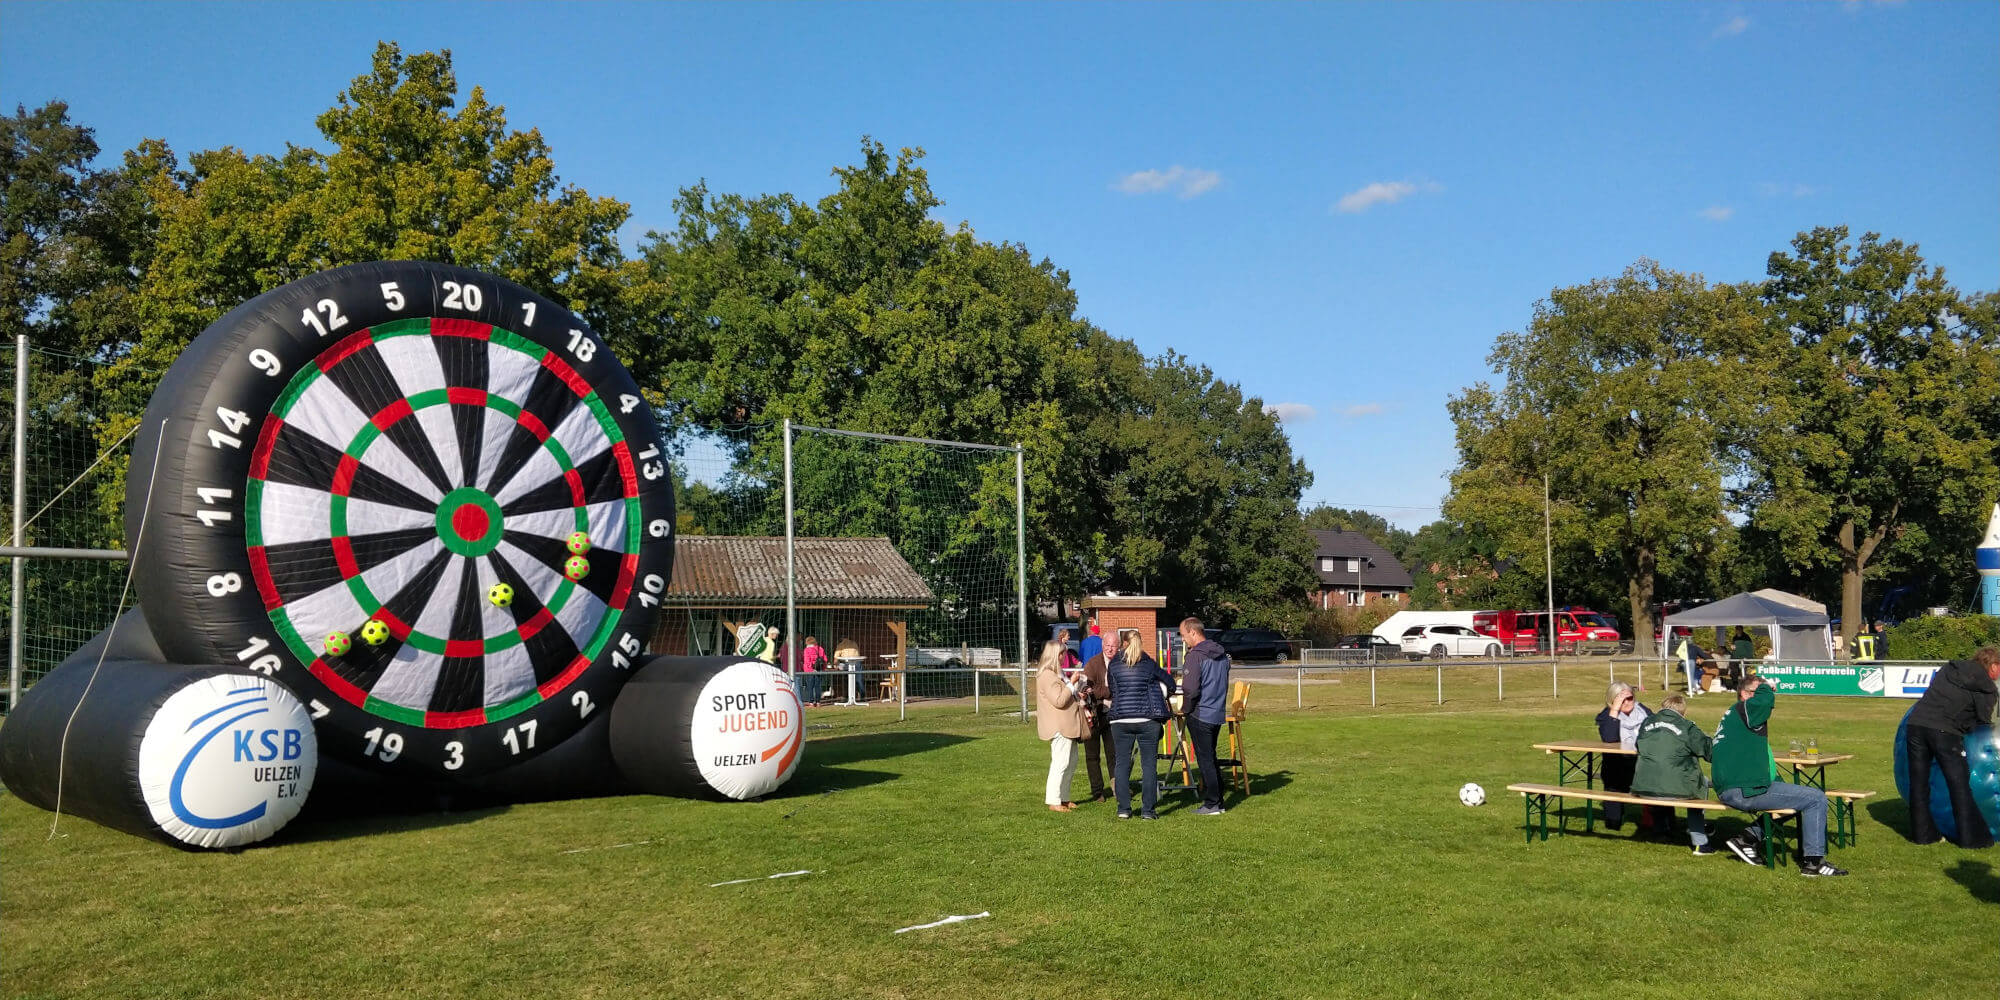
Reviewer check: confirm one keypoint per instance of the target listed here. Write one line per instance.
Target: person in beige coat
(1061, 721)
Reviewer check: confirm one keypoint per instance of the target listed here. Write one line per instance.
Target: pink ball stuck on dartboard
(338, 643)
(576, 567)
(579, 543)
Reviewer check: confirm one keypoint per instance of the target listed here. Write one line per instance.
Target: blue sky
(1337, 206)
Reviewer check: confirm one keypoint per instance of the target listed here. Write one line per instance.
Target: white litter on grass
(740, 881)
(947, 920)
(610, 847)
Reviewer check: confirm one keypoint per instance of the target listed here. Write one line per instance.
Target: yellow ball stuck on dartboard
(374, 633)
(579, 543)
(500, 594)
(337, 644)
(576, 567)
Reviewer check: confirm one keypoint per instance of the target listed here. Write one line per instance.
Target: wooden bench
(1840, 802)
(1535, 808)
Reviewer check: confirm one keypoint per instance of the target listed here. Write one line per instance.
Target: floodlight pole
(1021, 567)
(14, 643)
(1549, 554)
(791, 645)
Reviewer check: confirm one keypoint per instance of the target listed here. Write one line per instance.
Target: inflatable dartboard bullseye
(368, 485)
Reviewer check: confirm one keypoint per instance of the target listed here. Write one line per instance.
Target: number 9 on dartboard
(370, 485)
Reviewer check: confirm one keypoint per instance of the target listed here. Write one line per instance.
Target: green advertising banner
(1857, 680)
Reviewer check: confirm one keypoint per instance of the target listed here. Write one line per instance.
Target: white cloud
(1734, 26)
(1382, 193)
(1717, 213)
(1291, 413)
(1361, 410)
(1187, 182)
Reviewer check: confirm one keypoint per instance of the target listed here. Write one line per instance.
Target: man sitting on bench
(1746, 778)
(1671, 750)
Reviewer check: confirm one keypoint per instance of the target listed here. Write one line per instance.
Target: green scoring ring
(447, 528)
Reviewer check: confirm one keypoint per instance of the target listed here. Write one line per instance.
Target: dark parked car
(1255, 645)
(1374, 643)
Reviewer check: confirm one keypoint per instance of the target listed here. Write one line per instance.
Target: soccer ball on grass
(1472, 795)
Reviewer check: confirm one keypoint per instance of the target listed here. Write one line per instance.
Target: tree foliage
(1616, 393)
(861, 312)
(1880, 441)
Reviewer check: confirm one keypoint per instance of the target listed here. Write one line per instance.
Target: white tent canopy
(1798, 635)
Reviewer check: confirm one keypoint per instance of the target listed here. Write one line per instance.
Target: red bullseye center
(470, 522)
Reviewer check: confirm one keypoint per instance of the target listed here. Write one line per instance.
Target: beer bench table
(1579, 758)
(1535, 809)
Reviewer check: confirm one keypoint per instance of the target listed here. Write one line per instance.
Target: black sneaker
(1818, 868)
(1746, 853)
(1705, 850)
(1144, 815)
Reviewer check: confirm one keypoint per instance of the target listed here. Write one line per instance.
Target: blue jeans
(1810, 802)
(809, 686)
(1140, 739)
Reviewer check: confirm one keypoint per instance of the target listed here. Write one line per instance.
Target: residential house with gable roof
(1353, 569)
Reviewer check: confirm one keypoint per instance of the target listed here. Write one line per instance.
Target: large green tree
(860, 311)
(409, 174)
(1881, 436)
(1615, 393)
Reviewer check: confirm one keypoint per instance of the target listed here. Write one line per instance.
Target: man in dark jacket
(1205, 700)
(1097, 705)
(1962, 695)
(1671, 750)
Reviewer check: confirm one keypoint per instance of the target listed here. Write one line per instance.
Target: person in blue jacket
(1139, 690)
(1205, 701)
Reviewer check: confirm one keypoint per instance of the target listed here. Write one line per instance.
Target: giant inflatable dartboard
(386, 443)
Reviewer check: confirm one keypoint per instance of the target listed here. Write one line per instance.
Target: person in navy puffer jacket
(1205, 699)
(1139, 690)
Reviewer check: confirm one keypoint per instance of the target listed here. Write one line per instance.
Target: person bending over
(1205, 699)
(1746, 778)
(1671, 750)
(1139, 690)
(1962, 695)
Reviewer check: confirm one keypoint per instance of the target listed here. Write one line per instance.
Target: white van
(1393, 627)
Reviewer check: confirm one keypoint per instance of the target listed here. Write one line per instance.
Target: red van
(1522, 630)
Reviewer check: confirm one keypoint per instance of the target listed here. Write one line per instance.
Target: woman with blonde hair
(1619, 723)
(1060, 720)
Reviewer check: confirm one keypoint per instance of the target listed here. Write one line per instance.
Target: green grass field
(1352, 871)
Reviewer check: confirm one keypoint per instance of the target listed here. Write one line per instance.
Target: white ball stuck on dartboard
(1472, 795)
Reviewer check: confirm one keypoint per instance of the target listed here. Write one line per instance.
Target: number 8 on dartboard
(428, 501)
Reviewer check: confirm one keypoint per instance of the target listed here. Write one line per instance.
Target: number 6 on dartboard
(382, 490)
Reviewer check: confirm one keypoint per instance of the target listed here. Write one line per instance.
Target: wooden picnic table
(1576, 758)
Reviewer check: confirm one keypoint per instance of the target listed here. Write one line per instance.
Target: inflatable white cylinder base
(708, 725)
(199, 757)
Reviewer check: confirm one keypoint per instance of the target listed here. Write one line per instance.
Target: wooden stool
(1239, 700)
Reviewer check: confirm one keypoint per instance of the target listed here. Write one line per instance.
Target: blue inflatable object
(1982, 755)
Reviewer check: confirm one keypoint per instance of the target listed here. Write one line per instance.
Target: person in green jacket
(1671, 750)
(1746, 778)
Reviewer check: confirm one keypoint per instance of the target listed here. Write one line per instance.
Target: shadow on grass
(1892, 813)
(1977, 877)
(838, 750)
(338, 821)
